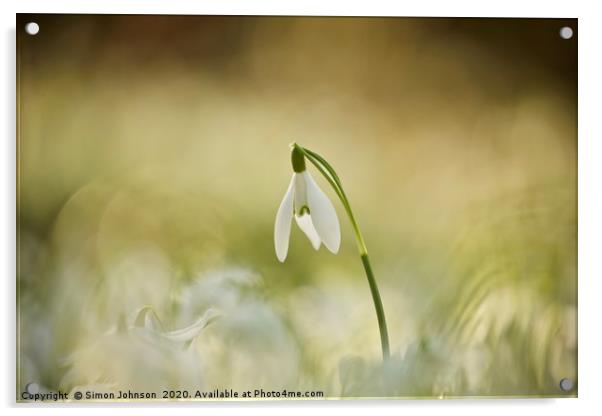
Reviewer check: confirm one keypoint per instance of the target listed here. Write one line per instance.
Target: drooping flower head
(313, 212)
(317, 218)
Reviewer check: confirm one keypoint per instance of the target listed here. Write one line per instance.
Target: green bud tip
(297, 158)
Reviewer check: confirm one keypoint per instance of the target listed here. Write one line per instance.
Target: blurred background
(152, 157)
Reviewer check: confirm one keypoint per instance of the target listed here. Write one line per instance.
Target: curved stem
(331, 176)
(378, 305)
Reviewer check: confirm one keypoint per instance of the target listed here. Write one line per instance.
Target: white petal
(189, 333)
(147, 318)
(304, 222)
(300, 199)
(323, 215)
(282, 227)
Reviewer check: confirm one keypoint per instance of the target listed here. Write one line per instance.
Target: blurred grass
(149, 177)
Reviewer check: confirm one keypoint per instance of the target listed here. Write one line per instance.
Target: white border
(590, 177)
(512, 8)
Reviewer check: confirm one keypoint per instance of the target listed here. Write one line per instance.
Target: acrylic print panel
(300, 208)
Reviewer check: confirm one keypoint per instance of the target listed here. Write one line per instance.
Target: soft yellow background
(153, 154)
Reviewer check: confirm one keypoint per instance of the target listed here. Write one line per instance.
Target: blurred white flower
(141, 355)
(148, 324)
(252, 346)
(313, 212)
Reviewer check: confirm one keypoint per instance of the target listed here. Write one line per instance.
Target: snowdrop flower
(317, 218)
(313, 212)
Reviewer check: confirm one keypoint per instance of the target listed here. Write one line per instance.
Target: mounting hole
(32, 388)
(32, 28)
(566, 32)
(566, 384)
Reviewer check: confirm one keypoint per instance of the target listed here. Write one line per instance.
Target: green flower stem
(378, 305)
(331, 176)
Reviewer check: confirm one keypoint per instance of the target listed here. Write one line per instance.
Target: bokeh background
(152, 157)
